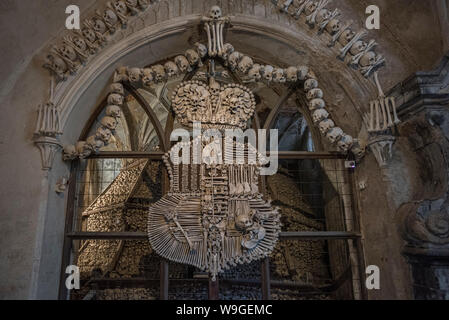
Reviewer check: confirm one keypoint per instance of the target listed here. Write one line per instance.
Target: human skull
(292, 74)
(121, 74)
(147, 76)
(267, 72)
(113, 111)
(358, 47)
(99, 25)
(115, 99)
(316, 93)
(325, 126)
(193, 57)
(215, 12)
(83, 149)
(310, 84)
(120, 7)
(335, 134)
(109, 122)
(346, 37)
(134, 75)
(244, 221)
(245, 64)
(110, 17)
(310, 7)
(159, 73)
(201, 49)
(345, 142)
(228, 49)
(104, 134)
(368, 59)
(171, 69)
(333, 26)
(319, 115)
(68, 52)
(254, 72)
(279, 75)
(56, 64)
(69, 153)
(94, 144)
(234, 59)
(117, 88)
(79, 43)
(89, 34)
(317, 104)
(323, 15)
(302, 72)
(182, 63)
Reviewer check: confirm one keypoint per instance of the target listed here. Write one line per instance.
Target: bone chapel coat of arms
(214, 215)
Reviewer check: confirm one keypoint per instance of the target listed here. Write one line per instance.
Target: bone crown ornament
(223, 107)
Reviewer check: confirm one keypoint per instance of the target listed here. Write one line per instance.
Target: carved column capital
(48, 147)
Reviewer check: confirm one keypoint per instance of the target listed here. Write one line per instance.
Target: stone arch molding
(68, 55)
(193, 58)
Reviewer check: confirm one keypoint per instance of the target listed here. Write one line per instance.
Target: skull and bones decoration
(214, 25)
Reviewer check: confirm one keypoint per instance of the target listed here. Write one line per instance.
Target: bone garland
(93, 35)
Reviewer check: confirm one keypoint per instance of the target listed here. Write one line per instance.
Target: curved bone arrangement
(214, 216)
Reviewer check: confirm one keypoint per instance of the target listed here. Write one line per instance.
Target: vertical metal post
(266, 287)
(164, 280)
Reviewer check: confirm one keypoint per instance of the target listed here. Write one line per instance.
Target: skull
(147, 76)
(267, 72)
(279, 75)
(215, 12)
(346, 37)
(310, 84)
(68, 52)
(115, 99)
(134, 75)
(110, 17)
(159, 73)
(228, 49)
(302, 72)
(317, 104)
(94, 144)
(234, 59)
(323, 15)
(254, 72)
(245, 64)
(325, 126)
(244, 221)
(319, 115)
(311, 7)
(182, 63)
(358, 149)
(113, 111)
(117, 88)
(292, 74)
(345, 142)
(171, 69)
(89, 35)
(335, 134)
(311, 75)
(80, 43)
(56, 64)
(99, 25)
(193, 57)
(69, 153)
(368, 59)
(316, 93)
(201, 49)
(120, 7)
(333, 26)
(104, 134)
(358, 47)
(109, 122)
(121, 74)
(83, 149)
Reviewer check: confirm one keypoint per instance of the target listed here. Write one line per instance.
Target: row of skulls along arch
(192, 59)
